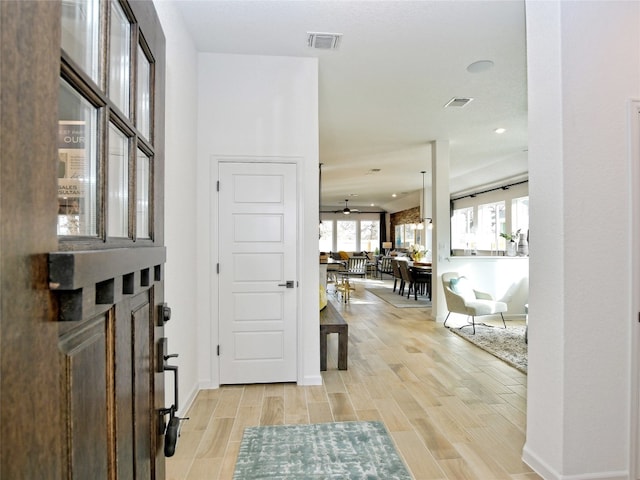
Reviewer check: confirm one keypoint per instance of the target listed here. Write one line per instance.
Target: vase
(511, 249)
(523, 246)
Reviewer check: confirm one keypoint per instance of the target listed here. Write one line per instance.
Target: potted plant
(511, 242)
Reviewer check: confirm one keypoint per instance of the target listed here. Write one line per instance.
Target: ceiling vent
(458, 102)
(324, 41)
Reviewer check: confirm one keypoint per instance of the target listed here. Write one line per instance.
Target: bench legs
(343, 345)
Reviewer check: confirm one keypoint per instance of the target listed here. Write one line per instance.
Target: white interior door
(257, 276)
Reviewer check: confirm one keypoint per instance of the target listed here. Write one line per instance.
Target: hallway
(454, 411)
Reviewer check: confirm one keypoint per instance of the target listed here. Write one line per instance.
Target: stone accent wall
(411, 215)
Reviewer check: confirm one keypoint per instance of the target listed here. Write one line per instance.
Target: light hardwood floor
(454, 411)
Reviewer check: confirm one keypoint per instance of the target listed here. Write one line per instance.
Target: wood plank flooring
(454, 411)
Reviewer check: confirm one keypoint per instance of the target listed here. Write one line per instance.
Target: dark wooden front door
(81, 248)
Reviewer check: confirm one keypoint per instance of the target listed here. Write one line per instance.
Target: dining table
(421, 271)
(333, 267)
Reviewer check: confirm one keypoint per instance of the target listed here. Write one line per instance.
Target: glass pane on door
(119, 58)
(77, 164)
(80, 34)
(143, 197)
(118, 184)
(143, 102)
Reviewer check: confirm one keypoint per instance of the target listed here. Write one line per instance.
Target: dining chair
(384, 266)
(397, 276)
(406, 277)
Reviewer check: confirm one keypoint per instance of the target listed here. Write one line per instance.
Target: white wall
(180, 202)
(253, 106)
(583, 63)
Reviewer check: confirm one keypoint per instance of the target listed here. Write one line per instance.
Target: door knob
(289, 284)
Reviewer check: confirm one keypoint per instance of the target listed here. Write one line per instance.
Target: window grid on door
(105, 178)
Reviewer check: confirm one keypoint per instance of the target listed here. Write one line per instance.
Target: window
(520, 214)
(478, 223)
(346, 235)
(353, 235)
(326, 236)
(106, 150)
(369, 235)
(77, 164)
(462, 229)
(143, 178)
(119, 64)
(118, 184)
(491, 222)
(407, 235)
(80, 34)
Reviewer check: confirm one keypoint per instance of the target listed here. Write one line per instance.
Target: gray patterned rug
(399, 301)
(342, 450)
(508, 345)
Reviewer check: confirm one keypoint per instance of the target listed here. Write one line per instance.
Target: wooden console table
(332, 322)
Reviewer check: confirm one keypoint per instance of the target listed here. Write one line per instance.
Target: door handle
(289, 284)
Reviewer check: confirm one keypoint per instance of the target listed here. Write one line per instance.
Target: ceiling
(382, 92)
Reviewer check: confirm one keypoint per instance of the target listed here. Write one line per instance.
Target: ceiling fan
(346, 210)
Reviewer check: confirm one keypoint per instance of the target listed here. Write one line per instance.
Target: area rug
(342, 450)
(399, 301)
(508, 345)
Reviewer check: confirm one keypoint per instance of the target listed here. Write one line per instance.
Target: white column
(441, 233)
(583, 67)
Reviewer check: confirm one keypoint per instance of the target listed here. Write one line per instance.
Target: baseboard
(548, 473)
(186, 404)
(310, 380)
(207, 385)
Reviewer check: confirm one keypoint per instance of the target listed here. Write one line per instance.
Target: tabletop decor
(349, 450)
(417, 252)
(511, 239)
(523, 246)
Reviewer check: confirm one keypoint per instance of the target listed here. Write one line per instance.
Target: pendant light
(320, 193)
(422, 218)
(421, 224)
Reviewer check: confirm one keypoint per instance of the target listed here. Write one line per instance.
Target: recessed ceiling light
(373, 205)
(500, 130)
(393, 195)
(480, 66)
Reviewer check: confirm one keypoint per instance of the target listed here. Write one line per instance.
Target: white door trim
(634, 222)
(211, 226)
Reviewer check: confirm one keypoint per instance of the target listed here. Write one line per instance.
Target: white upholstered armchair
(462, 298)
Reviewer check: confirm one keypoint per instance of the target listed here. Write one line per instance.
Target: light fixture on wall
(346, 210)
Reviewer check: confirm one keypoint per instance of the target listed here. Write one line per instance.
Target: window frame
(333, 219)
(518, 191)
